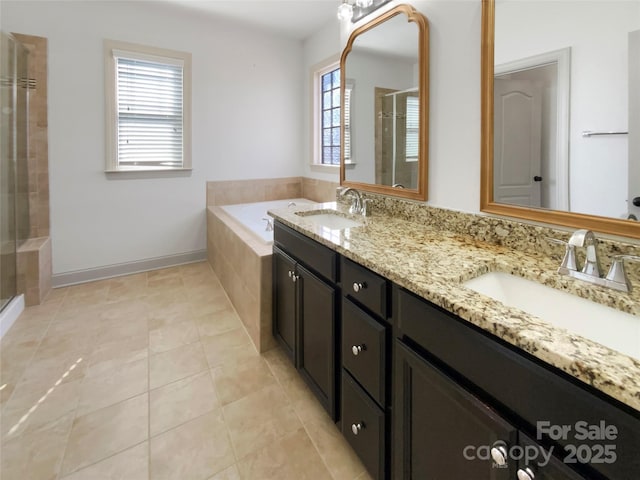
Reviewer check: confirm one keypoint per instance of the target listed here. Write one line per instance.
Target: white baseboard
(109, 271)
(10, 313)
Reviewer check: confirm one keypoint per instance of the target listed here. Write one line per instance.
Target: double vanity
(427, 377)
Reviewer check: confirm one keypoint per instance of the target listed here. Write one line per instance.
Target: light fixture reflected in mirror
(345, 11)
(354, 10)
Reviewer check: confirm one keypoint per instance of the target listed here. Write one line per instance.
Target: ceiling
(293, 18)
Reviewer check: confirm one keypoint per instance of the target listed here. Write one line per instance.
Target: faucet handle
(617, 273)
(365, 207)
(569, 261)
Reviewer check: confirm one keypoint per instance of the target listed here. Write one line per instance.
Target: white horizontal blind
(149, 98)
(413, 127)
(347, 123)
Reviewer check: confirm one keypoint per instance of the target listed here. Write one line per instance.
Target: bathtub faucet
(269, 226)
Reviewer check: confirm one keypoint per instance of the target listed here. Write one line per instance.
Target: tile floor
(152, 376)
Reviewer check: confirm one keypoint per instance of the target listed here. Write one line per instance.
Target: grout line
(101, 460)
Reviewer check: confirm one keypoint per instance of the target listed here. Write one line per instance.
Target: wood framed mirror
(384, 86)
(594, 119)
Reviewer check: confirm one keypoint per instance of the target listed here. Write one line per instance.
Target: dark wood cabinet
(305, 311)
(317, 346)
(442, 431)
(284, 302)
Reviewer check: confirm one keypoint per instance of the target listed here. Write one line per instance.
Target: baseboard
(10, 313)
(109, 271)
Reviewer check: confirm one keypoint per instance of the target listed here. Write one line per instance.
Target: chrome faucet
(356, 203)
(591, 271)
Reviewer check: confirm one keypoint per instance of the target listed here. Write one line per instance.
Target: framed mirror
(560, 113)
(385, 105)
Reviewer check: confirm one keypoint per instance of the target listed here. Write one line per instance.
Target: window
(413, 128)
(330, 115)
(148, 108)
(327, 115)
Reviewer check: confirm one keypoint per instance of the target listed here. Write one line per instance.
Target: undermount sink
(330, 220)
(607, 326)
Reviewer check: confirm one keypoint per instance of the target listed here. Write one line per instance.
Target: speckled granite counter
(433, 263)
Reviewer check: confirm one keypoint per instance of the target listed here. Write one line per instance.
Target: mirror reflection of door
(634, 126)
(517, 144)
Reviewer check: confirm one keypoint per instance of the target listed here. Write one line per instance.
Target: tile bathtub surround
(262, 190)
(153, 376)
(433, 263)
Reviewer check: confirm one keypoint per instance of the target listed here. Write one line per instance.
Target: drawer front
(364, 350)
(490, 365)
(365, 287)
(363, 425)
(309, 252)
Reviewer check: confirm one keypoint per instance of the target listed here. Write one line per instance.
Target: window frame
(143, 52)
(317, 71)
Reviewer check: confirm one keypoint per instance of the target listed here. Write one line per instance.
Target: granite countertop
(434, 263)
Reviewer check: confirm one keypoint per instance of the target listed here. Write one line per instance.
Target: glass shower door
(14, 107)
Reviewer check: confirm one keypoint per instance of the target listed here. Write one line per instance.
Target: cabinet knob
(357, 349)
(356, 427)
(357, 286)
(290, 273)
(295, 278)
(499, 455)
(526, 474)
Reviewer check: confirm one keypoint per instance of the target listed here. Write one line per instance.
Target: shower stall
(14, 176)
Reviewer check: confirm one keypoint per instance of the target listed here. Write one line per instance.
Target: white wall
(454, 131)
(597, 34)
(247, 90)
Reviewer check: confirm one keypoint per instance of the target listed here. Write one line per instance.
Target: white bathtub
(250, 215)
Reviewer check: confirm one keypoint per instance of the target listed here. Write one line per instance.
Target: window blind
(413, 127)
(149, 98)
(347, 124)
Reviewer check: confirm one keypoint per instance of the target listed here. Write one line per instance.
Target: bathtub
(250, 215)
(240, 252)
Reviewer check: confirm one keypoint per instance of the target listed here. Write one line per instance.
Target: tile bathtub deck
(152, 376)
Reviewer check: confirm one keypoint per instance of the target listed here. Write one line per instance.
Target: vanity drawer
(364, 344)
(363, 425)
(365, 287)
(316, 256)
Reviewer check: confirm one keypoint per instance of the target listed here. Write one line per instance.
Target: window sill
(148, 172)
(321, 167)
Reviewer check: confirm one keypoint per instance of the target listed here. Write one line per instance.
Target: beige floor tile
(230, 473)
(228, 347)
(36, 455)
(215, 323)
(175, 364)
(35, 404)
(102, 433)
(181, 401)
(237, 380)
(69, 366)
(170, 282)
(339, 457)
(132, 464)
(160, 315)
(292, 457)
(172, 336)
(259, 419)
(195, 450)
(209, 301)
(115, 353)
(111, 387)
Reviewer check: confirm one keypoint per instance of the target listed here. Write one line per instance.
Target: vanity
(448, 345)
(427, 378)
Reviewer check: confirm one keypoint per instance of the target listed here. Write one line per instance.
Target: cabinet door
(317, 330)
(537, 463)
(284, 302)
(440, 430)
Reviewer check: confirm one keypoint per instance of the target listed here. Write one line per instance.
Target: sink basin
(332, 221)
(607, 326)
